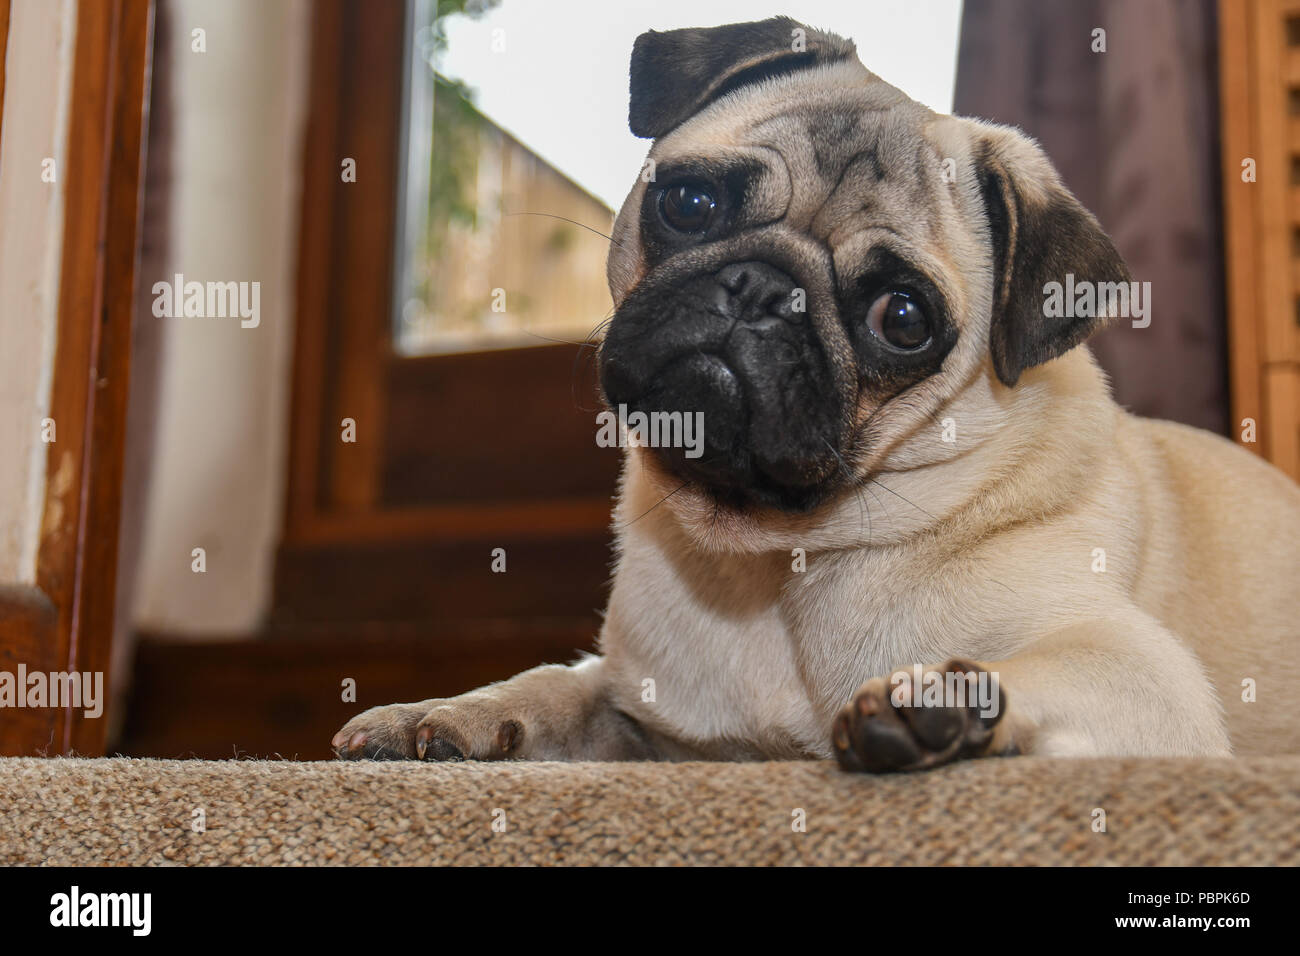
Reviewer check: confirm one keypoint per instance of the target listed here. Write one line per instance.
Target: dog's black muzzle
(737, 346)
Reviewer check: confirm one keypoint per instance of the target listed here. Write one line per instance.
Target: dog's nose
(757, 290)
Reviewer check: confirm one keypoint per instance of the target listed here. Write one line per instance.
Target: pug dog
(920, 530)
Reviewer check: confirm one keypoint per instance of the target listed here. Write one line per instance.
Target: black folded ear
(676, 73)
(1041, 234)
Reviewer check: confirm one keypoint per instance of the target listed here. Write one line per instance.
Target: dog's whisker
(586, 350)
(547, 338)
(1007, 586)
(863, 512)
(876, 481)
(656, 504)
(876, 498)
(551, 215)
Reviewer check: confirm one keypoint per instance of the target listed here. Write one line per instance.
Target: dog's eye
(686, 207)
(897, 320)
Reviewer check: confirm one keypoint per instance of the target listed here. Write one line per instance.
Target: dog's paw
(453, 729)
(380, 733)
(921, 718)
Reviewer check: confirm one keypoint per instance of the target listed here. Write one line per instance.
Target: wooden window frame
(364, 537)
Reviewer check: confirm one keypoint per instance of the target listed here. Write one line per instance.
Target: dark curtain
(1134, 133)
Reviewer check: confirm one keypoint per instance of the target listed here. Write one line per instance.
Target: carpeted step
(1009, 811)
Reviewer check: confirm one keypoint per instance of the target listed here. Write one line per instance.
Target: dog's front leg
(1118, 686)
(548, 713)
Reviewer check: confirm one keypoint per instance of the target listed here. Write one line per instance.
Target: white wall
(218, 475)
(38, 83)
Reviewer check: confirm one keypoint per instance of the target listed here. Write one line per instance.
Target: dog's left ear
(1041, 234)
(676, 73)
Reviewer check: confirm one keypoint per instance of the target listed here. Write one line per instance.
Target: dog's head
(818, 264)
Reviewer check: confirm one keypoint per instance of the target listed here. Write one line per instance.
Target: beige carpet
(120, 811)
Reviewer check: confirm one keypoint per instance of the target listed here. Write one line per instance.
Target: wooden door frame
(64, 622)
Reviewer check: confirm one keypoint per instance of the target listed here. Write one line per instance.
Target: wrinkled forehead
(835, 153)
(812, 122)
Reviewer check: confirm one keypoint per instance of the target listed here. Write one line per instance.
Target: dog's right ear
(676, 73)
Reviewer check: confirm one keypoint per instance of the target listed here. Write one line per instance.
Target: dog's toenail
(508, 735)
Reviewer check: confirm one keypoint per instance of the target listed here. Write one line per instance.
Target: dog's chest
(752, 650)
(853, 616)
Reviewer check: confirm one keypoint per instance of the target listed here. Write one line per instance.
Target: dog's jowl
(913, 526)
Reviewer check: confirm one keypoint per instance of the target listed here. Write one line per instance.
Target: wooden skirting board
(286, 695)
